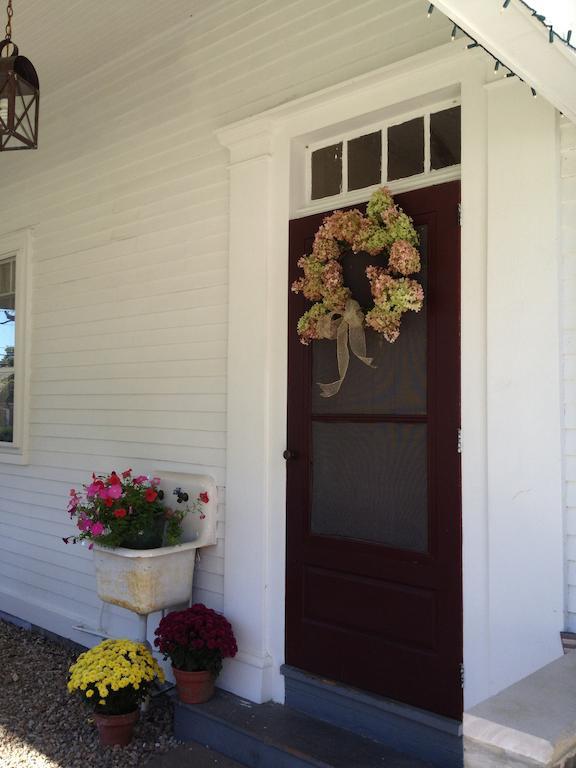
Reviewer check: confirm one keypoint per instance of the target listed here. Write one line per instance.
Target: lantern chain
(9, 13)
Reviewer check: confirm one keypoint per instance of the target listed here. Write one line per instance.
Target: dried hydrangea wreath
(335, 314)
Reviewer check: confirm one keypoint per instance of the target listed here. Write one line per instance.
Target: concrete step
(273, 736)
(425, 735)
(531, 724)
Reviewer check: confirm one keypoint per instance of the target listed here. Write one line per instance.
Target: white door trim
(262, 150)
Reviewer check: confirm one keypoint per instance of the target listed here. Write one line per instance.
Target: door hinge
(462, 675)
(459, 441)
(459, 214)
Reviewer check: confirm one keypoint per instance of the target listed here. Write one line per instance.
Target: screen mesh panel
(397, 385)
(369, 482)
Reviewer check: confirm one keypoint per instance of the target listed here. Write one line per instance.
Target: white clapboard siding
(568, 287)
(128, 200)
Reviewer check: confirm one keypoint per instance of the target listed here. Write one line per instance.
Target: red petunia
(204, 498)
(114, 479)
(109, 502)
(127, 473)
(151, 494)
(120, 512)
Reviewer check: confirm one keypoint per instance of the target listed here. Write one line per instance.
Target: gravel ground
(43, 726)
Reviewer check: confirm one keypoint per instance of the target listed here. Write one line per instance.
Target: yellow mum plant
(114, 676)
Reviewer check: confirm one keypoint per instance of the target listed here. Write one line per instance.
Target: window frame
(18, 245)
(346, 196)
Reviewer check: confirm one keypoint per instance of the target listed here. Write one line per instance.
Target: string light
(430, 9)
(534, 92)
(506, 3)
(497, 67)
(454, 30)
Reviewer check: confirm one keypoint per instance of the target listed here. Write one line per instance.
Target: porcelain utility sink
(148, 580)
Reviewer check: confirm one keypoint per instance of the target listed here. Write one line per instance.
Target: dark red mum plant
(196, 639)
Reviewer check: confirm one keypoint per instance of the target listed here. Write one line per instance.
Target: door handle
(289, 455)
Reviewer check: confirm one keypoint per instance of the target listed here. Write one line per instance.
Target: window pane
(7, 312)
(406, 149)
(327, 171)
(365, 161)
(445, 138)
(6, 406)
(7, 337)
(370, 482)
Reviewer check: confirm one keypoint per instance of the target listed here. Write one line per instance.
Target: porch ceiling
(519, 40)
(67, 39)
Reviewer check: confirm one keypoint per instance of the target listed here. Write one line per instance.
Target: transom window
(424, 145)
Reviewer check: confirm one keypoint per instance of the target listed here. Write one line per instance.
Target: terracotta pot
(116, 729)
(194, 687)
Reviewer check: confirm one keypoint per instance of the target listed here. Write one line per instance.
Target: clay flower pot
(194, 687)
(116, 729)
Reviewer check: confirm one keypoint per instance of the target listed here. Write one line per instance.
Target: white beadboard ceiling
(67, 39)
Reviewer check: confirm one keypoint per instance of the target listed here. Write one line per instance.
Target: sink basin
(145, 580)
(148, 580)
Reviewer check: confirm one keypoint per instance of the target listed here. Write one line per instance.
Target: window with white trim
(7, 347)
(422, 147)
(14, 252)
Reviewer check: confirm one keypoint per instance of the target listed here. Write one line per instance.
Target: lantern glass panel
(19, 96)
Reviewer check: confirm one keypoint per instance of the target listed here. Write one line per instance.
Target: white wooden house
(147, 252)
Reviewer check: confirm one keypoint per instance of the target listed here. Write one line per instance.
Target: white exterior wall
(127, 199)
(524, 445)
(568, 286)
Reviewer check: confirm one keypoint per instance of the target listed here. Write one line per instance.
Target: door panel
(373, 493)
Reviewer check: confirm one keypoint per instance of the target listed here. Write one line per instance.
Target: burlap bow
(346, 329)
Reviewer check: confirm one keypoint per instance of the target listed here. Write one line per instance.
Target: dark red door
(374, 595)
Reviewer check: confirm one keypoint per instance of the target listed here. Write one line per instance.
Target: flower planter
(145, 581)
(194, 687)
(116, 730)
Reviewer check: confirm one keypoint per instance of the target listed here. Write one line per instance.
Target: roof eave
(520, 42)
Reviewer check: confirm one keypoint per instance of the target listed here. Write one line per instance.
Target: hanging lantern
(19, 96)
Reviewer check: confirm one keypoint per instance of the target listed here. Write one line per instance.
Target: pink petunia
(140, 479)
(97, 529)
(114, 492)
(94, 488)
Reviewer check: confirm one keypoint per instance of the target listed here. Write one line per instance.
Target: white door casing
(265, 174)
